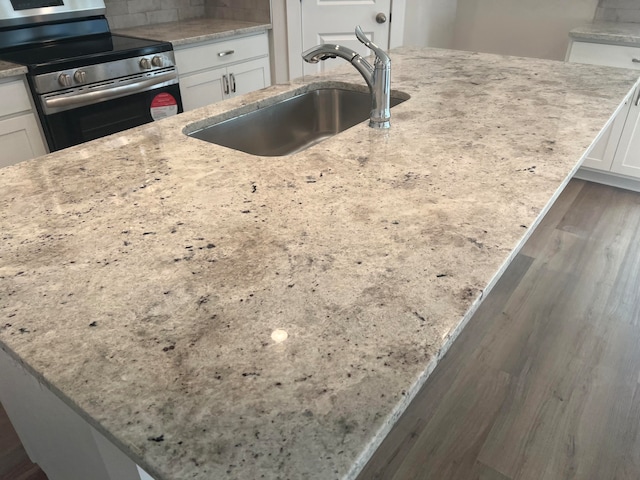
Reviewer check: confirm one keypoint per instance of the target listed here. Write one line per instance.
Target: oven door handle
(90, 98)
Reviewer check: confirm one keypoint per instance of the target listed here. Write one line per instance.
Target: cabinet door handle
(635, 60)
(225, 84)
(638, 97)
(225, 53)
(232, 78)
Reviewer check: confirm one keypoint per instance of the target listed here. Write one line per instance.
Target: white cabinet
(604, 54)
(20, 135)
(213, 71)
(618, 149)
(603, 152)
(627, 157)
(54, 436)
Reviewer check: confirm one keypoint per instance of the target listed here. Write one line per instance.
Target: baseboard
(608, 178)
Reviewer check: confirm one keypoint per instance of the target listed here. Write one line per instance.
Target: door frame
(294, 32)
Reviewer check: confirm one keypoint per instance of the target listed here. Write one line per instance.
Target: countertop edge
(608, 32)
(379, 437)
(400, 408)
(8, 70)
(221, 35)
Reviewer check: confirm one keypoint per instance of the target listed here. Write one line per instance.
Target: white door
(334, 21)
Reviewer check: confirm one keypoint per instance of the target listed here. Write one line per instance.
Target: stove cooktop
(52, 47)
(73, 54)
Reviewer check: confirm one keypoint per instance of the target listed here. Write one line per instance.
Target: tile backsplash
(247, 10)
(134, 13)
(618, 11)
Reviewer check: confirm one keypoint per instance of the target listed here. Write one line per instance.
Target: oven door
(77, 125)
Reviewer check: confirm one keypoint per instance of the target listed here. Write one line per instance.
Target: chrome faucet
(378, 77)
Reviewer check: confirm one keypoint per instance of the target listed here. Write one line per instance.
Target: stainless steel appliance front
(86, 82)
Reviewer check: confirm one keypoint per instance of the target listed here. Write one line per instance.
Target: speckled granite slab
(608, 32)
(8, 69)
(196, 30)
(143, 275)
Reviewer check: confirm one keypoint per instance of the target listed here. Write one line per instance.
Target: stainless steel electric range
(86, 82)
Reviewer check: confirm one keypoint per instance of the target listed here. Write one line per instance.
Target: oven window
(27, 4)
(82, 124)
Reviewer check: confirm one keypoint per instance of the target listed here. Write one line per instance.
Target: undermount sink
(293, 123)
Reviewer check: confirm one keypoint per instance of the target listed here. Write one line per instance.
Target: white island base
(55, 437)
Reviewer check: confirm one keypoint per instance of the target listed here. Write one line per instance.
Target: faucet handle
(380, 54)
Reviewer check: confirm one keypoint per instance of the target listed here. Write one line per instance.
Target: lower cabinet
(20, 135)
(627, 157)
(214, 71)
(617, 152)
(218, 84)
(618, 149)
(603, 152)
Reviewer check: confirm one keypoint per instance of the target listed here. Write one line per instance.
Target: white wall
(278, 42)
(529, 28)
(618, 11)
(430, 23)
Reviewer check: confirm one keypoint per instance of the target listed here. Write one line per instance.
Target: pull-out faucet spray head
(377, 76)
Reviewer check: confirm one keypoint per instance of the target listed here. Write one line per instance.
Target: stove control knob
(65, 80)
(80, 76)
(145, 64)
(157, 61)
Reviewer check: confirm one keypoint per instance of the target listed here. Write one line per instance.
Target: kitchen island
(148, 278)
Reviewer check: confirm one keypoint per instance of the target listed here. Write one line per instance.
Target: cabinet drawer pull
(635, 60)
(231, 52)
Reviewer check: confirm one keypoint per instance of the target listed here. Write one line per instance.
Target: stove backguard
(24, 12)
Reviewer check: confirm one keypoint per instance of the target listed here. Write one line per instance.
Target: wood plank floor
(543, 382)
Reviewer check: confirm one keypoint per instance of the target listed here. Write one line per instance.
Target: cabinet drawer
(211, 55)
(604, 54)
(14, 97)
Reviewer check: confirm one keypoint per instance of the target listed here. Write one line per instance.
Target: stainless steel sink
(293, 124)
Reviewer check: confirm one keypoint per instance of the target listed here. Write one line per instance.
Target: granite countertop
(146, 277)
(187, 32)
(8, 69)
(608, 32)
